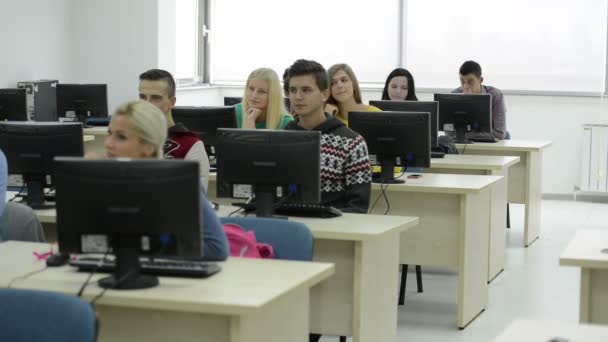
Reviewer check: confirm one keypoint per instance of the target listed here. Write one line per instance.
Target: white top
(473, 162)
(509, 145)
(544, 331)
(585, 250)
(242, 286)
(442, 183)
(88, 137)
(349, 227)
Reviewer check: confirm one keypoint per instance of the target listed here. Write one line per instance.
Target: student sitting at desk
(345, 94)
(158, 87)
(345, 166)
(262, 105)
(471, 83)
(399, 86)
(139, 130)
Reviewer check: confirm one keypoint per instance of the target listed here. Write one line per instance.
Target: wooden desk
(454, 212)
(249, 300)
(585, 251)
(524, 177)
(544, 331)
(491, 166)
(360, 300)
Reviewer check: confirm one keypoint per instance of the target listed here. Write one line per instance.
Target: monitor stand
(461, 135)
(35, 198)
(387, 175)
(127, 274)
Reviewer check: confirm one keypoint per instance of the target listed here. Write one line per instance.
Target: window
(251, 34)
(190, 40)
(541, 45)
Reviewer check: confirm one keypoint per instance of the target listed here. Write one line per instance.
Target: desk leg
(473, 256)
(375, 290)
(497, 237)
(533, 198)
(594, 296)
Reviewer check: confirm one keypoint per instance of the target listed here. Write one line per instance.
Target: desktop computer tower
(41, 99)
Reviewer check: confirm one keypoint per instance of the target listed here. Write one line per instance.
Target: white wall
(113, 41)
(555, 118)
(34, 37)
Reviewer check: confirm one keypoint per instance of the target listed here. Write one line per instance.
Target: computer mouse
(58, 259)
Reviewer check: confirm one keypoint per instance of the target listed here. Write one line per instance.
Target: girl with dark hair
(399, 86)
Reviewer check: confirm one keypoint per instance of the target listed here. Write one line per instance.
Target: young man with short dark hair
(158, 87)
(471, 81)
(345, 167)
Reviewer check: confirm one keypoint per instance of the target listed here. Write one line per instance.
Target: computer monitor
(205, 122)
(13, 105)
(128, 207)
(231, 101)
(30, 148)
(271, 165)
(431, 107)
(394, 139)
(464, 113)
(79, 102)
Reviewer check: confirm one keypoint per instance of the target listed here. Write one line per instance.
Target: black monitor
(394, 139)
(79, 102)
(30, 149)
(431, 107)
(271, 165)
(232, 101)
(205, 122)
(464, 113)
(128, 207)
(13, 105)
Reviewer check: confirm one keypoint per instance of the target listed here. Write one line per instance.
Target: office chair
(290, 240)
(41, 316)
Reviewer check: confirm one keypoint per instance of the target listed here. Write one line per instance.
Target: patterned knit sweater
(345, 167)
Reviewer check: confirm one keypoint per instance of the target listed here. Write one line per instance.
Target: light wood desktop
(525, 177)
(589, 251)
(546, 331)
(491, 166)
(454, 212)
(249, 300)
(97, 144)
(361, 299)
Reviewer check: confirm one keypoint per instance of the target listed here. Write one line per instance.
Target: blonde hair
(276, 107)
(147, 121)
(351, 74)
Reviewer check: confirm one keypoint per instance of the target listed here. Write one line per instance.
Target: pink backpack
(244, 244)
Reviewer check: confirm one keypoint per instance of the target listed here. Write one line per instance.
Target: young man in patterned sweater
(345, 167)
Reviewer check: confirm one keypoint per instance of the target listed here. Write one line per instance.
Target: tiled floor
(533, 285)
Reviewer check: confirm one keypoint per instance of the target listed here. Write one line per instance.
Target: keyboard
(437, 154)
(158, 267)
(299, 209)
(307, 210)
(483, 139)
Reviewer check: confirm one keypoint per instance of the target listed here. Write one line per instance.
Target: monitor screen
(13, 105)
(464, 113)
(128, 207)
(30, 148)
(431, 107)
(79, 102)
(205, 121)
(394, 139)
(270, 165)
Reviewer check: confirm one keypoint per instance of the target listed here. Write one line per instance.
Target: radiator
(594, 158)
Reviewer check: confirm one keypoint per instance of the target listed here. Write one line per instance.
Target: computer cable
(18, 195)
(116, 285)
(25, 276)
(86, 282)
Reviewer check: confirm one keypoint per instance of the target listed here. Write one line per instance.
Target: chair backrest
(28, 315)
(290, 240)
